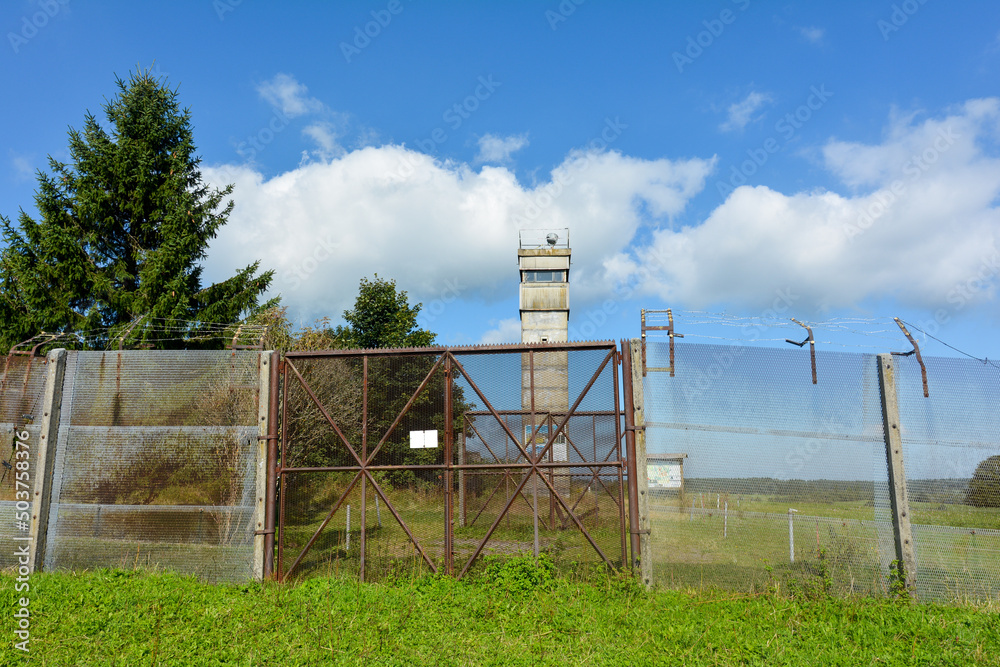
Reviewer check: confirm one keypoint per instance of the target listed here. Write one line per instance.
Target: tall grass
(513, 612)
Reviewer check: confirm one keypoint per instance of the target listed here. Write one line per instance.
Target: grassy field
(747, 549)
(514, 612)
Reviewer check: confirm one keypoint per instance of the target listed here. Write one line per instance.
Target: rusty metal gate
(403, 462)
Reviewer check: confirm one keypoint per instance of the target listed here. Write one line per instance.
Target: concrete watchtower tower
(543, 259)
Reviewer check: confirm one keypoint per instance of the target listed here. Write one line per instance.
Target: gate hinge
(635, 428)
(645, 531)
(264, 532)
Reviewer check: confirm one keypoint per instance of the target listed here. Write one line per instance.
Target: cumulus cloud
(812, 34)
(493, 148)
(921, 223)
(286, 94)
(741, 113)
(431, 225)
(917, 219)
(503, 331)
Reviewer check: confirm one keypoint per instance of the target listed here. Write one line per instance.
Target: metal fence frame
(363, 467)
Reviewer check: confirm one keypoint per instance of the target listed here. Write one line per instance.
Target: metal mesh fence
(22, 387)
(155, 463)
(784, 481)
(951, 454)
(445, 436)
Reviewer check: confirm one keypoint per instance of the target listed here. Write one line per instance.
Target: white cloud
(499, 149)
(918, 219)
(23, 169)
(505, 331)
(926, 224)
(812, 34)
(741, 113)
(430, 224)
(286, 94)
(327, 137)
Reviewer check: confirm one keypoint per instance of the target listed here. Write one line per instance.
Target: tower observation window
(544, 276)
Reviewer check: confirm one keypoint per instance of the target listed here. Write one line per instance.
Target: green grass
(132, 618)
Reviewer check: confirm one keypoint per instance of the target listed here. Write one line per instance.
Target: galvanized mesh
(392, 411)
(155, 464)
(22, 389)
(784, 481)
(951, 455)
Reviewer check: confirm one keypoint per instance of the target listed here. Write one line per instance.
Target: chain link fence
(155, 464)
(22, 389)
(785, 482)
(951, 453)
(416, 461)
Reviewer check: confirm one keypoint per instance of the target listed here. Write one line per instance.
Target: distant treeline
(827, 490)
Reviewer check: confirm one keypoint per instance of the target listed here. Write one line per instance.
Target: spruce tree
(121, 233)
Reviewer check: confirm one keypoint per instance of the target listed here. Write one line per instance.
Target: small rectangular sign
(424, 439)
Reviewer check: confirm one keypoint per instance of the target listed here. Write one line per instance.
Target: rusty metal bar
(449, 566)
(281, 477)
(364, 455)
(621, 486)
(915, 350)
(402, 524)
(489, 406)
(812, 345)
(633, 492)
(670, 332)
(406, 408)
(319, 405)
(468, 349)
(322, 525)
(467, 466)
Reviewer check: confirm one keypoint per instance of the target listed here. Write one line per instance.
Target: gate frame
(449, 364)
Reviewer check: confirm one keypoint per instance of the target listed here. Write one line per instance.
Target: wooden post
(642, 479)
(905, 556)
(46, 456)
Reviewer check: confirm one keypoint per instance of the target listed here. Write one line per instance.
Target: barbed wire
(835, 331)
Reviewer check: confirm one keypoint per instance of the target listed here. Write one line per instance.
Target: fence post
(260, 540)
(641, 478)
(902, 533)
(51, 409)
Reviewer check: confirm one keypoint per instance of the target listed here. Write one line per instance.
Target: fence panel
(22, 390)
(951, 454)
(785, 481)
(430, 452)
(155, 463)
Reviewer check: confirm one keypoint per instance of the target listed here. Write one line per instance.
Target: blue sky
(815, 160)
